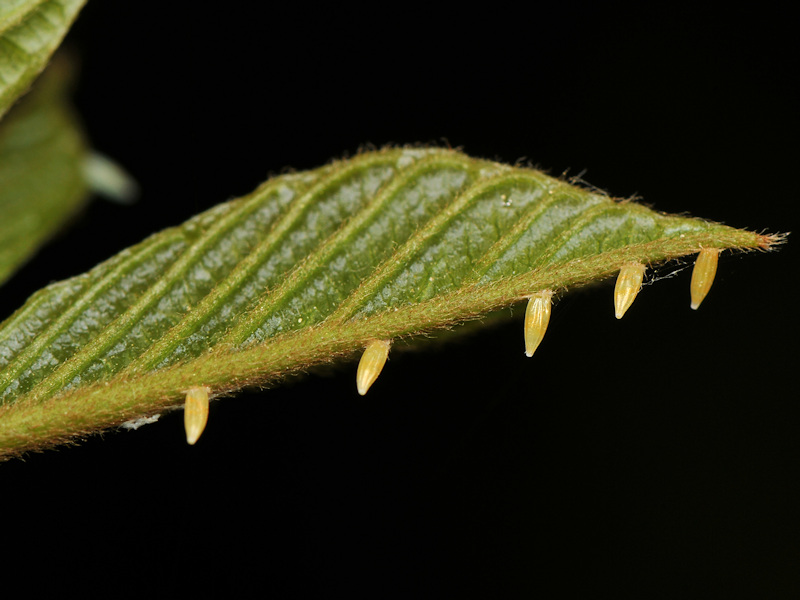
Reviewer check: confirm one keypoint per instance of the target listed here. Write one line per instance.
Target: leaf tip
(769, 241)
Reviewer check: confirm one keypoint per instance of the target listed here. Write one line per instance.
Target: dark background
(655, 457)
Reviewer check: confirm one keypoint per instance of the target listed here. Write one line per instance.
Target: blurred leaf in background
(42, 152)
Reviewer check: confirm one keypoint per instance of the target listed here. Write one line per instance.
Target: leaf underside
(309, 267)
(42, 154)
(30, 31)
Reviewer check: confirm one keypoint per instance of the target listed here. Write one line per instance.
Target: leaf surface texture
(309, 267)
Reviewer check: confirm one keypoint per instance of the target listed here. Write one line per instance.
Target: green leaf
(42, 154)
(307, 268)
(30, 31)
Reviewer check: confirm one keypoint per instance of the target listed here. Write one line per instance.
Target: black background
(654, 457)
